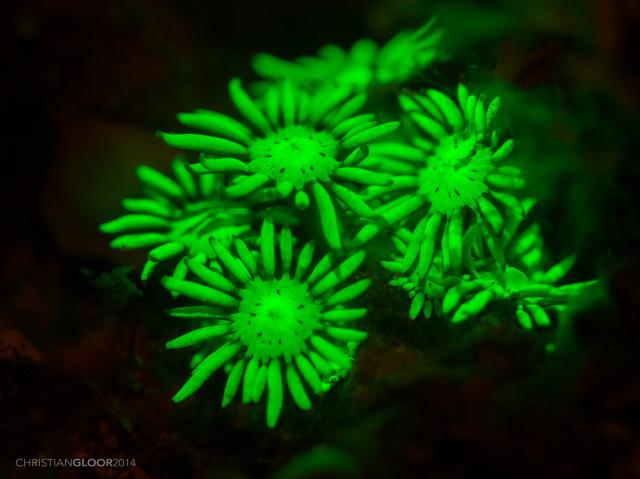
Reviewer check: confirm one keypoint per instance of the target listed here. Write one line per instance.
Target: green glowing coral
(271, 323)
(425, 292)
(299, 145)
(451, 178)
(177, 218)
(262, 309)
(408, 53)
(333, 64)
(365, 64)
(532, 300)
(531, 291)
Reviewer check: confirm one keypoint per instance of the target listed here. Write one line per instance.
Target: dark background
(82, 369)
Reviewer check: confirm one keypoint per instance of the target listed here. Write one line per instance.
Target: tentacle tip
(179, 397)
(457, 319)
(190, 168)
(338, 248)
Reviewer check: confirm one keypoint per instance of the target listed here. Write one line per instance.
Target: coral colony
(271, 296)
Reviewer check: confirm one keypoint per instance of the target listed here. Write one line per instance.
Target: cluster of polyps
(302, 153)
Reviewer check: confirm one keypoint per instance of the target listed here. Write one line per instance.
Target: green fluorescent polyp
(177, 218)
(532, 300)
(365, 64)
(453, 180)
(409, 53)
(280, 325)
(532, 291)
(295, 142)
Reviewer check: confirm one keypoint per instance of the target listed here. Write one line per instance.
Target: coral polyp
(528, 291)
(365, 64)
(307, 147)
(271, 323)
(408, 53)
(177, 218)
(451, 179)
(531, 301)
(332, 65)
